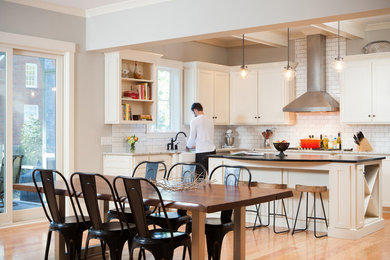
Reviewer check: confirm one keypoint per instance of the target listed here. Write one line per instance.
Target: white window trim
(66, 52)
(171, 64)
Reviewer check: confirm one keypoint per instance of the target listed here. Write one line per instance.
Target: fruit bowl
(281, 147)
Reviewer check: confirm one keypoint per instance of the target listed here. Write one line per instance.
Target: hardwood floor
(28, 242)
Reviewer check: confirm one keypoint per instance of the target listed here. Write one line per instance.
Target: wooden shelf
(137, 100)
(134, 122)
(137, 80)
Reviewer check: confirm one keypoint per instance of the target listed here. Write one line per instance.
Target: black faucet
(171, 145)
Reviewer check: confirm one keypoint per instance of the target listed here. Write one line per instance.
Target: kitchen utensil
(356, 140)
(281, 147)
(360, 135)
(267, 136)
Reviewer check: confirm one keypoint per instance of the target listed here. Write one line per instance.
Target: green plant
(32, 141)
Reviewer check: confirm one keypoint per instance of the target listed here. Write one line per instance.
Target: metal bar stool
(313, 189)
(274, 214)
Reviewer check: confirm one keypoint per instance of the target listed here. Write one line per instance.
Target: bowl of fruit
(281, 146)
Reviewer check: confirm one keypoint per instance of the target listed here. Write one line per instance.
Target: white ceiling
(84, 4)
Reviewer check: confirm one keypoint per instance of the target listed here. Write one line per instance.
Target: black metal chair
(71, 228)
(151, 171)
(271, 213)
(217, 228)
(160, 242)
(114, 234)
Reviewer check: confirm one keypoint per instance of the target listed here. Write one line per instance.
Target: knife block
(364, 146)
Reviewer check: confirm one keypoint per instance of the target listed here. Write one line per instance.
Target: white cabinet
(243, 99)
(124, 164)
(386, 182)
(207, 84)
(365, 89)
(259, 99)
(128, 99)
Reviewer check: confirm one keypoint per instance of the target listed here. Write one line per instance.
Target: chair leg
(315, 217)
(296, 217)
(284, 213)
(48, 245)
(103, 246)
(214, 244)
(86, 247)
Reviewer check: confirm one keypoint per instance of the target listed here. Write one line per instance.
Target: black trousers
(202, 158)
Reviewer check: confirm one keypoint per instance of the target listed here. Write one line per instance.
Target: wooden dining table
(209, 198)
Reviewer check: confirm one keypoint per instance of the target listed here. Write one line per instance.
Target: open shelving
(371, 193)
(128, 98)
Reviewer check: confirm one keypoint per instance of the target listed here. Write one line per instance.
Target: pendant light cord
(338, 45)
(288, 48)
(243, 56)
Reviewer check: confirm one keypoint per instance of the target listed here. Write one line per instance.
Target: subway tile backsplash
(250, 136)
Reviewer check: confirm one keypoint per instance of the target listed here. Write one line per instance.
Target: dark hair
(197, 106)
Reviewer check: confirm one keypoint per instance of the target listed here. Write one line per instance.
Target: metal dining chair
(71, 228)
(151, 171)
(160, 242)
(114, 234)
(217, 228)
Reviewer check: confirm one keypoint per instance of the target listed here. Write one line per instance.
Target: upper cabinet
(259, 99)
(365, 89)
(207, 84)
(130, 87)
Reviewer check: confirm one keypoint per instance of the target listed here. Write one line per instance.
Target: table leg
(239, 233)
(59, 242)
(198, 235)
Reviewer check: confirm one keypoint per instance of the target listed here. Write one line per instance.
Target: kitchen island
(353, 202)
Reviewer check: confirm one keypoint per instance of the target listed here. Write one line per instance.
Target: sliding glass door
(34, 121)
(29, 128)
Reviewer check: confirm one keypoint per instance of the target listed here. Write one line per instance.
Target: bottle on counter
(321, 142)
(334, 143)
(325, 142)
(338, 140)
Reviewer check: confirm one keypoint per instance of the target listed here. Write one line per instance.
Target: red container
(310, 143)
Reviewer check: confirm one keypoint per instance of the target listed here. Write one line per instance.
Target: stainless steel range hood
(316, 99)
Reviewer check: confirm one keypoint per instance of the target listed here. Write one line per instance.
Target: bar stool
(313, 189)
(274, 214)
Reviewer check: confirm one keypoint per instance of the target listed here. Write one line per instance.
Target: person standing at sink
(201, 136)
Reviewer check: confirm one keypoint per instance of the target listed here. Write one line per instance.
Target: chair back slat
(89, 192)
(48, 179)
(188, 171)
(135, 198)
(151, 169)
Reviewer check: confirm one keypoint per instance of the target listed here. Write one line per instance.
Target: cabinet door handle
(369, 115)
(373, 115)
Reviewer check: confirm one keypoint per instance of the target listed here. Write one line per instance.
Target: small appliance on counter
(267, 134)
(229, 139)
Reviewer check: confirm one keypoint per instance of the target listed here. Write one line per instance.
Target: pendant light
(243, 68)
(338, 63)
(289, 72)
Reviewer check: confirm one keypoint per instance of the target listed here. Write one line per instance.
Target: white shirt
(201, 134)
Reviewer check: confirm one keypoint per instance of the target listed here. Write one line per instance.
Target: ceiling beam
(274, 39)
(348, 29)
(378, 26)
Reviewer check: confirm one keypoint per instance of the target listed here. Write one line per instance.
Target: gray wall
(355, 46)
(89, 74)
(190, 51)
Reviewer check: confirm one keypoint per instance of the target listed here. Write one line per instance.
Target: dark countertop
(292, 157)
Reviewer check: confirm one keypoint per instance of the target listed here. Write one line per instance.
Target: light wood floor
(28, 242)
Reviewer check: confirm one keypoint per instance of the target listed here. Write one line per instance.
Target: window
(31, 112)
(31, 75)
(168, 100)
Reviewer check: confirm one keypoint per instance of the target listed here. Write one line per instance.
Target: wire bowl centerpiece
(281, 147)
(183, 184)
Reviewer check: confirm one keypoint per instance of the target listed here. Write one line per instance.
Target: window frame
(175, 94)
